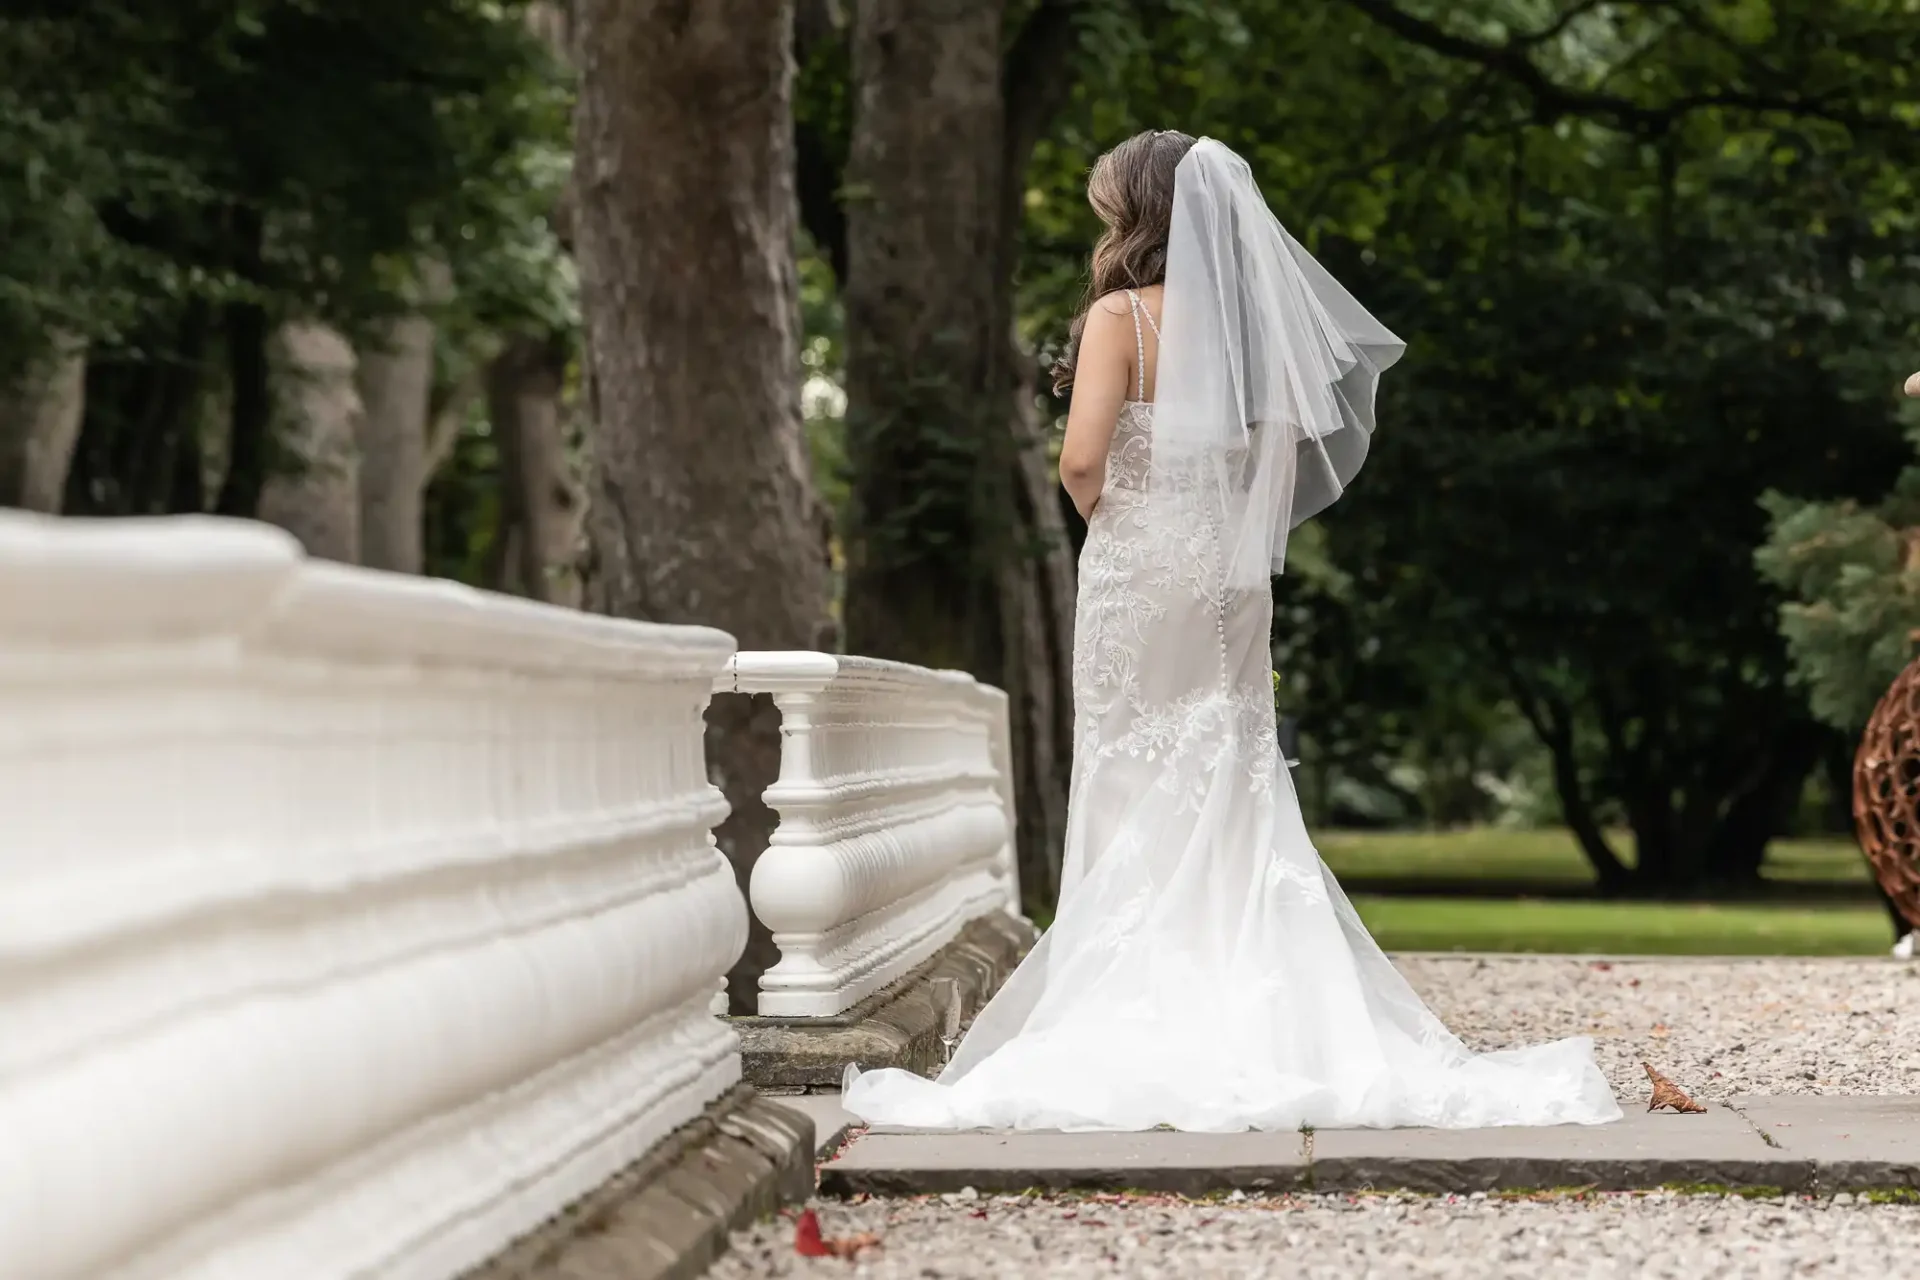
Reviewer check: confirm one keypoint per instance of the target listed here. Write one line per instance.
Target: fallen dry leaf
(809, 1243)
(1667, 1094)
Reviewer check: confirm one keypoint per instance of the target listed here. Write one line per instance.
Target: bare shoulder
(1109, 322)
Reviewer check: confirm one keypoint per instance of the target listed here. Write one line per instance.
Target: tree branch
(1553, 101)
(1455, 122)
(1554, 29)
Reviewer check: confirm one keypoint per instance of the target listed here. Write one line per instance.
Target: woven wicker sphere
(1886, 791)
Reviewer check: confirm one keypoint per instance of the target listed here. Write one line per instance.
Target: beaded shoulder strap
(1140, 343)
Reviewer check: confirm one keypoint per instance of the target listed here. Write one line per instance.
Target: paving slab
(831, 1121)
(1799, 1143)
(1859, 1143)
(896, 1162)
(1717, 1148)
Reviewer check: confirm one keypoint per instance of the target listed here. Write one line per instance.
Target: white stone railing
(350, 924)
(895, 822)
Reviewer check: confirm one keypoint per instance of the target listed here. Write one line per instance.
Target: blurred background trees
(256, 252)
(1652, 262)
(1635, 550)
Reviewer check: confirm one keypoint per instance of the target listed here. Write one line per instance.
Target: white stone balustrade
(350, 924)
(896, 822)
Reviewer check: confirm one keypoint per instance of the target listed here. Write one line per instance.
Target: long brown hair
(1131, 188)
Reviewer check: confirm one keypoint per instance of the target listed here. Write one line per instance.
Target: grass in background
(1501, 890)
(1550, 859)
(1622, 928)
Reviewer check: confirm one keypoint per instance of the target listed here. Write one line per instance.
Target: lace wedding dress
(1204, 970)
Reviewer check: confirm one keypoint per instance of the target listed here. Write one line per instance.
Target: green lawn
(1622, 928)
(1547, 858)
(1497, 890)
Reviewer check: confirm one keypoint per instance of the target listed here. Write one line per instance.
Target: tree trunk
(1037, 607)
(540, 504)
(395, 380)
(1764, 809)
(958, 556)
(927, 321)
(313, 491)
(701, 504)
(1552, 723)
(1608, 869)
(500, 567)
(39, 425)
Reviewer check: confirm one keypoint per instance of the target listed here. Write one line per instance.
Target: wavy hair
(1131, 188)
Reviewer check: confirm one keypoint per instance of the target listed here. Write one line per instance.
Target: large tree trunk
(540, 504)
(701, 501)
(313, 489)
(957, 556)
(928, 320)
(395, 380)
(39, 425)
(395, 383)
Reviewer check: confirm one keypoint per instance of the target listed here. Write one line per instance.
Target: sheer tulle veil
(1268, 367)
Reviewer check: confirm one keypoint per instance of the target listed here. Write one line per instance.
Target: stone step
(1823, 1144)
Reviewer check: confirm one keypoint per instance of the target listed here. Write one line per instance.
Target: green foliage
(461, 519)
(1655, 263)
(823, 363)
(71, 132)
(358, 131)
(176, 180)
(1852, 575)
(1652, 261)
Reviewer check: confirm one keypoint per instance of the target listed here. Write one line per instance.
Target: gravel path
(1626, 1236)
(1717, 1027)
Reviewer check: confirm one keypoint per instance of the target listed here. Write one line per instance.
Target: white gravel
(1716, 1027)
(1629, 1236)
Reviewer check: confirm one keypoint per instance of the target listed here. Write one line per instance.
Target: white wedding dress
(1205, 971)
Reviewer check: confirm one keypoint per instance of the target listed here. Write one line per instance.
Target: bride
(1205, 972)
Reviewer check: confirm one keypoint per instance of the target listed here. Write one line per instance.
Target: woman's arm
(1100, 386)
